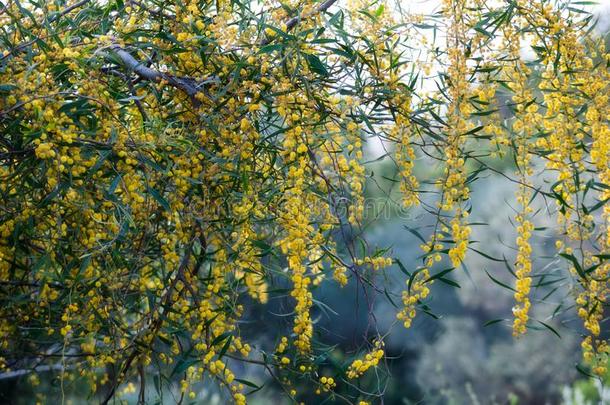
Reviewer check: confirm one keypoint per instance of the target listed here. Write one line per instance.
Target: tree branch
(187, 84)
(156, 323)
(22, 372)
(157, 13)
(68, 9)
(290, 24)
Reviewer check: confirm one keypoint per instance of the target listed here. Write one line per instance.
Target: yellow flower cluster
(454, 188)
(45, 151)
(523, 267)
(355, 172)
(376, 263)
(249, 268)
(295, 220)
(405, 156)
(328, 383)
(460, 234)
(571, 66)
(417, 289)
(281, 347)
(597, 290)
(591, 311)
(525, 123)
(455, 191)
(340, 275)
(360, 366)
(596, 352)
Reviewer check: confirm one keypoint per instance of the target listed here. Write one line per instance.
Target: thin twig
(68, 9)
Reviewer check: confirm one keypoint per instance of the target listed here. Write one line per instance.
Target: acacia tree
(168, 166)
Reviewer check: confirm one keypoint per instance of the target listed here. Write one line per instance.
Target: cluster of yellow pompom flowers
(45, 151)
(328, 383)
(524, 281)
(360, 366)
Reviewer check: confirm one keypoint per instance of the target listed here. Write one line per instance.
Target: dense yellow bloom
(340, 276)
(455, 191)
(360, 366)
(405, 156)
(526, 121)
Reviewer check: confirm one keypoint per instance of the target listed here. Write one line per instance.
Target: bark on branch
(187, 84)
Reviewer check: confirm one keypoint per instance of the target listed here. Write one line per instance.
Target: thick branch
(290, 24)
(187, 84)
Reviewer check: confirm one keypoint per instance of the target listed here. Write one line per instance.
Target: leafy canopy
(171, 169)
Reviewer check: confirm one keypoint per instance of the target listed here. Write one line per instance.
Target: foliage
(170, 168)
(587, 391)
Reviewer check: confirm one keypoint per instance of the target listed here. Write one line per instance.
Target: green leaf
(225, 347)
(6, 88)
(416, 233)
(402, 267)
(248, 383)
(429, 313)
(493, 321)
(183, 363)
(448, 282)
(114, 184)
(220, 338)
(486, 255)
(499, 282)
(584, 372)
(271, 48)
(385, 291)
(550, 328)
(485, 112)
(598, 205)
(159, 198)
(474, 130)
(577, 266)
(440, 274)
(316, 65)
(337, 20)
